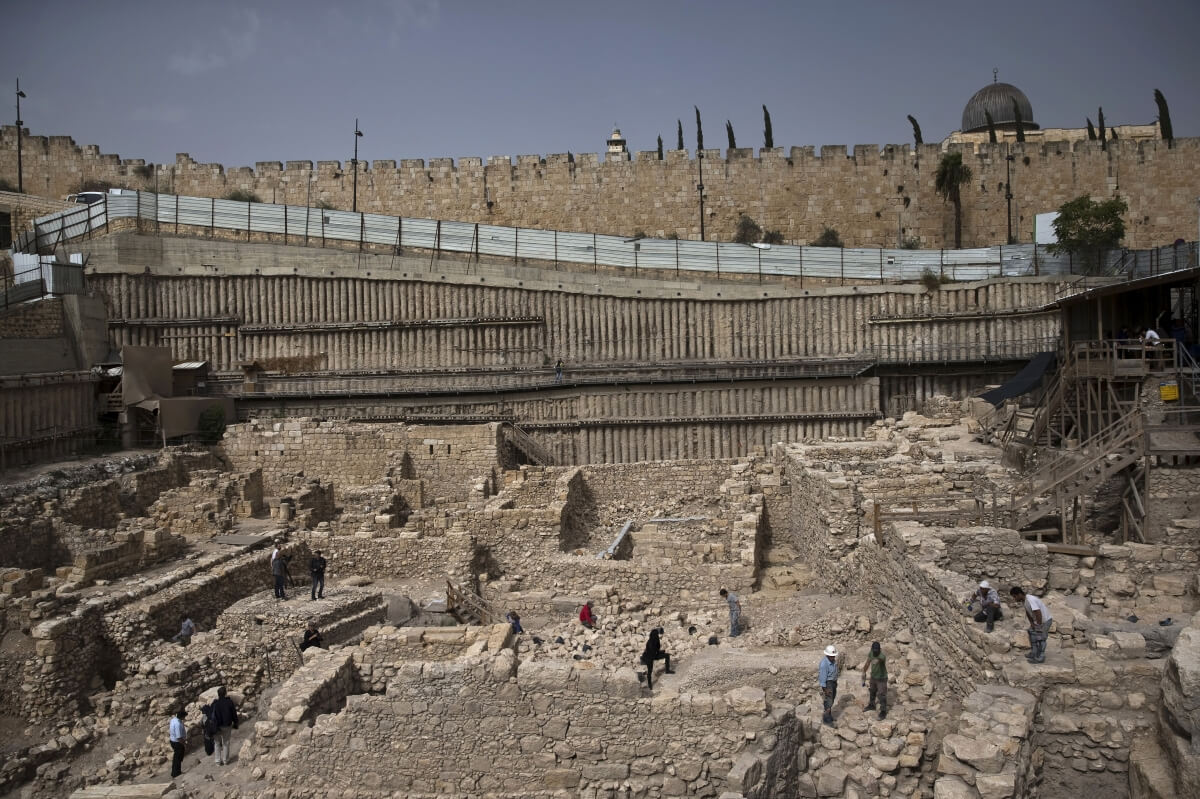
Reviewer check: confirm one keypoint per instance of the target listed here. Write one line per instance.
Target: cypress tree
(679, 132)
(768, 135)
(917, 140)
(1103, 138)
(991, 126)
(729, 133)
(1164, 117)
(1091, 130)
(1018, 121)
(660, 148)
(699, 130)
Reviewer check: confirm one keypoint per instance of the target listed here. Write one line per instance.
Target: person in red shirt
(585, 616)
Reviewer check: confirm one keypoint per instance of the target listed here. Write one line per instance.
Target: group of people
(220, 720)
(985, 604)
(281, 576)
(874, 671)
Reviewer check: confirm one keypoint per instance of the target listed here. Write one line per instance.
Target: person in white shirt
(178, 737)
(1039, 623)
(1151, 337)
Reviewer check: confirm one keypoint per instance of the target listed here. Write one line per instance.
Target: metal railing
(306, 225)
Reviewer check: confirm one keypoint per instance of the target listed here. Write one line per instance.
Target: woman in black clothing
(653, 652)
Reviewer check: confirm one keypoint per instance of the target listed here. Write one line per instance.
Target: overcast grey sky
(239, 82)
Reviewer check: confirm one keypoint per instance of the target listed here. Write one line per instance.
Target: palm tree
(952, 174)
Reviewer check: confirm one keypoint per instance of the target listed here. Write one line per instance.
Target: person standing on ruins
(653, 652)
(989, 605)
(827, 677)
(278, 567)
(876, 664)
(177, 734)
(585, 616)
(1039, 623)
(735, 613)
(316, 567)
(558, 367)
(225, 715)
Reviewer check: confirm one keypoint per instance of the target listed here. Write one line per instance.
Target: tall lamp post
(354, 163)
(1008, 196)
(700, 163)
(20, 179)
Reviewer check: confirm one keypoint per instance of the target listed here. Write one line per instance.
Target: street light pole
(354, 163)
(700, 163)
(1008, 197)
(20, 178)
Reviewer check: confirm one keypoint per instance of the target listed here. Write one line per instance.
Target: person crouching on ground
(312, 637)
(585, 616)
(827, 677)
(514, 620)
(653, 652)
(988, 601)
(875, 669)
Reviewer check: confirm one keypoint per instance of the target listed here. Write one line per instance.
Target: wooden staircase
(469, 607)
(1073, 474)
(525, 445)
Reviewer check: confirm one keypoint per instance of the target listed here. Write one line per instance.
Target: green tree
(1103, 137)
(1164, 117)
(829, 238)
(1086, 228)
(747, 231)
(952, 174)
(991, 126)
(679, 131)
(772, 237)
(243, 196)
(1020, 123)
(730, 136)
(211, 424)
(917, 140)
(660, 148)
(699, 130)
(1091, 130)
(768, 134)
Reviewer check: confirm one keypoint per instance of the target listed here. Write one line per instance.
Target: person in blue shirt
(178, 738)
(827, 676)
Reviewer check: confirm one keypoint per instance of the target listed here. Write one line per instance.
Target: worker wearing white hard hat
(985, 603)
(827, 676)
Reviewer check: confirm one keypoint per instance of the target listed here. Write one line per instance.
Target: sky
(240, 82)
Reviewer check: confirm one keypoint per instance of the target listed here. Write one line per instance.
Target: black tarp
(1023, 382)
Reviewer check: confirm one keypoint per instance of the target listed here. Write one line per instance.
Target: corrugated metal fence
(307, 225)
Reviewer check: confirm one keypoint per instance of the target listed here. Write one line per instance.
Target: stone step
(144, 791)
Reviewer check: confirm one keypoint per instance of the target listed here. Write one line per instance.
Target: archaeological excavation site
(295, 506)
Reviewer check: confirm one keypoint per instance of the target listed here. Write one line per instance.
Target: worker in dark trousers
(316, 567)
(653, 652)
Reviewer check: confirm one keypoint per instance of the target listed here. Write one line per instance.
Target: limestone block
(953, 788)
(560, 778)
(831, 780)
(1131, 644)
(747, 700)
(885, 764)
(746, 773)
(984, 755)
(1172, 584)
(995, 786)
(1091, 668)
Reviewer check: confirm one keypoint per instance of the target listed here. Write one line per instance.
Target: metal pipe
(20, 178)
(354, 162)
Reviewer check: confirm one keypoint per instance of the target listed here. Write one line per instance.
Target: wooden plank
(1082, 550)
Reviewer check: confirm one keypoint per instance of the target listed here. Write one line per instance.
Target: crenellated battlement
(874, 195)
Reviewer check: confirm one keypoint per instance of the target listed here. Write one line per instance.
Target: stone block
(747, 700)
(984, 755)
(1091, 668)
(995, 786)
(953, 788)
(746, 772)
(560, 778)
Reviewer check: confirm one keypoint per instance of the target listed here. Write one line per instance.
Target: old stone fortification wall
(867, 193)
(448, 458)
(282, 303)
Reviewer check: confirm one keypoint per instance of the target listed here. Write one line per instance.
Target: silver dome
(997, 99)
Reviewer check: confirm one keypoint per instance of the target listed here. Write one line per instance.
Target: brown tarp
(180, 416)
(146, 373)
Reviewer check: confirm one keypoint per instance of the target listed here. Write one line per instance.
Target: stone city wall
(210, 503)
(869, 193)
(996, 554)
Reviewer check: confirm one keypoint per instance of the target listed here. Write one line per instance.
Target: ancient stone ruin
(421, 688)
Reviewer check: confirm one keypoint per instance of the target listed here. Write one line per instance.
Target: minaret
(617, 151)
